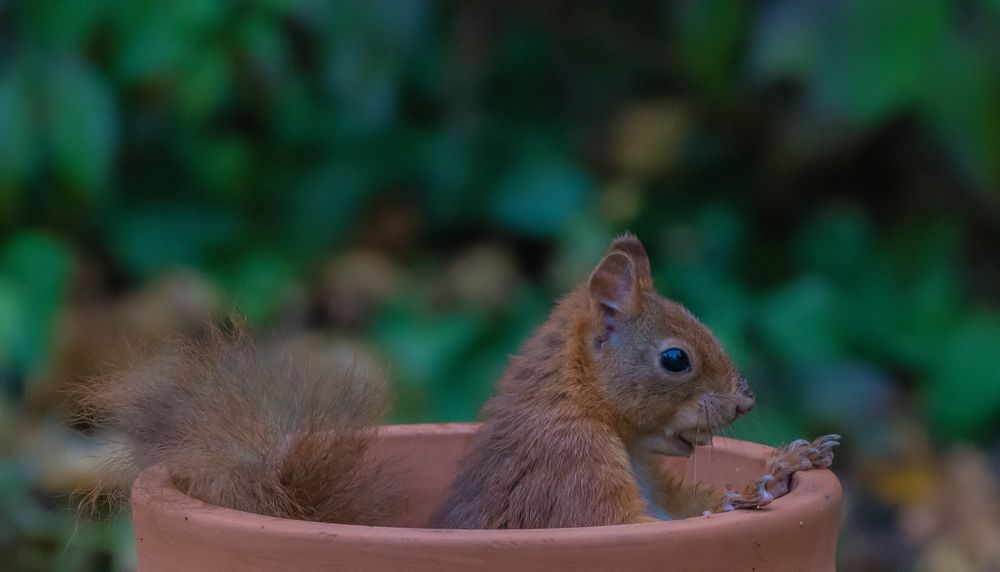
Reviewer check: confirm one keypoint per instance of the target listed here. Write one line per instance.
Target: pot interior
(429, 456)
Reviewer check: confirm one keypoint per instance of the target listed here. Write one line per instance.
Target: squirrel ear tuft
(629, 244)
(613, 285)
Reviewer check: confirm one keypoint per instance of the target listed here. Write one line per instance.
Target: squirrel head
(660, 368)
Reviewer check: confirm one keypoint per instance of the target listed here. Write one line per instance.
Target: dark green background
(816, 180)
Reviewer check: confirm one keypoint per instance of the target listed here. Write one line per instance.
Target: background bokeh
(817, 180)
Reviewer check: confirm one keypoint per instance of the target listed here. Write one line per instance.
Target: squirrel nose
(744, 408)
(747, 403)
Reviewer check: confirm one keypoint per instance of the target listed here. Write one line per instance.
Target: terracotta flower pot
(797, 532)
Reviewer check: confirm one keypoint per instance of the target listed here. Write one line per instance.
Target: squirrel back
(236, 430)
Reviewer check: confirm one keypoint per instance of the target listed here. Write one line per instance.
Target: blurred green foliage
(816, 180)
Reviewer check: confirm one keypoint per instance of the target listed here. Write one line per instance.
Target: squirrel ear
(613, 285)
(630, 245)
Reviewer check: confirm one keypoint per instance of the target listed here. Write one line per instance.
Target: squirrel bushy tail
(234, 429)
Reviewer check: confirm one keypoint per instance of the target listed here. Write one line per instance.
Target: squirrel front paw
(755, 495)
(799, 455)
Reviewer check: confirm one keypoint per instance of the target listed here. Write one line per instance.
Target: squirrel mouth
(682, 444)
(685, 446)
(696, 437)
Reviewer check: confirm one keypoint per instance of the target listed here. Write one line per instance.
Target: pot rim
(810, 491)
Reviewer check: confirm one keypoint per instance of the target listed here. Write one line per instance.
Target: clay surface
(796, 532)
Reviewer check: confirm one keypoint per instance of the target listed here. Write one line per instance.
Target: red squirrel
(616, 377)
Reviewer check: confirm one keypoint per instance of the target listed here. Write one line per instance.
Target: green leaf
(962, 386)
(35, 270)
(18, 145)
(162, 41)
(261, 283)
(882, 56)
(320, 211)
(11, 319)
(205, 85)
(540, 197)
(865, 60)
(82, 130)
(798, 321)
(961, 106)
(61, 25)
(153, 238)
(711, 35)
(927, 299)
(423, 347)
(449, 166)
(839, 245)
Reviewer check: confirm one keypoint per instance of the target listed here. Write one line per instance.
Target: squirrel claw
(801, 455)
(755, 495)
(727, 503)
(820, 452)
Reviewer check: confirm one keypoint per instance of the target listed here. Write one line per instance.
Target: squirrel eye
(675, 360)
